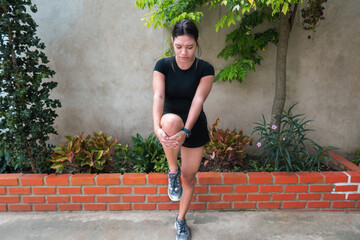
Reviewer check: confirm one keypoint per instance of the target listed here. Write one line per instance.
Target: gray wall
(103, 58)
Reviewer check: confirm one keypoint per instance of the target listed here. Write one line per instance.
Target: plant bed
(304, 191)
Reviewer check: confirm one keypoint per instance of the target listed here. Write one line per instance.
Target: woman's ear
(198, 40)
(172, 40)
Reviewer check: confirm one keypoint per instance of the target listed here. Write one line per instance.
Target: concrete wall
(104, 59)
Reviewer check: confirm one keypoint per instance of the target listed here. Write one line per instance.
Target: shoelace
(174, 182)
(182, 227)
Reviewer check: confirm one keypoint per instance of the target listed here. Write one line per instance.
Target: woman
(181, 84)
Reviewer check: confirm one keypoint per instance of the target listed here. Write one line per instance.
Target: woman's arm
(158, 99)
(201, 94)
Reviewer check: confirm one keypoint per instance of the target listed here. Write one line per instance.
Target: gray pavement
(156, 225)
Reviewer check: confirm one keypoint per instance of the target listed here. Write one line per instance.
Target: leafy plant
(357, 157)
(226, 148)
(121, 161)
(83, 154)
(258, 165)
(286, 146)
(3, 160)
(27, 113)
(147, 154)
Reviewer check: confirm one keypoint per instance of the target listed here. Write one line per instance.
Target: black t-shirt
(181, 85)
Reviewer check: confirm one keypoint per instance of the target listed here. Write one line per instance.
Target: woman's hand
(172, 142)
(179, 139)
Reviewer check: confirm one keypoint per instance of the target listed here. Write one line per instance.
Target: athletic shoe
(182, 230)
(175, 190)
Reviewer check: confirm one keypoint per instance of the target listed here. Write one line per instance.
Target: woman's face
(184, 47)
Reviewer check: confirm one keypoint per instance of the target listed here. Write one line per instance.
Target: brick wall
(312, 191)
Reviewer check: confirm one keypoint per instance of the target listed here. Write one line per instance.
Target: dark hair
(186, 27)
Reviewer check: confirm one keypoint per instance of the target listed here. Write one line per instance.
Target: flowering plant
(287, 145)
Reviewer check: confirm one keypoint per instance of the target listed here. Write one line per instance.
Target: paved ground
(156, 225)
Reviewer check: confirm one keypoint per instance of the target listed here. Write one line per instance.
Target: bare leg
(190, 162)
(171, 124)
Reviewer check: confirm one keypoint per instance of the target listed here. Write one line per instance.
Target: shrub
(286, 146)
(357, 157)
(27, 113)
(83, 155)
(147, 154)
(226, 148)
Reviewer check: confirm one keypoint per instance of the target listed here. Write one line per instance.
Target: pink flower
(258, 144)
(274, 127)
(283, 139)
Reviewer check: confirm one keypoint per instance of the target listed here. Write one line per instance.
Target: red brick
(58, 199)
(309, 196)
(293, 205)
(209, 178)
(221, 189)
(119, 207)
(281, 197)
(145, 190)
(21, 207)
(45, 207)
(197, 206)
(144, 206)
(119, 190)
(354, 196)
(258, 197)
(318, 204)
(285, 177)
(276, 188)
(259, 177)
(2, 191)
(164, 190)
(44, 190)
(168, 206)
(246, 188)
(346, 188)
(134, 178)
(133, 198)
(10, 179)
(19, 190)
(158, 198)
(321, 188)
(343, 204)
(94, 190)
(209, 198)
(354, 176)
(69, 190)
(82, 199)
(106, 199)
(32, 179)
(108, 179)
(358, 204)
(94, 207)
(219, 205)
(32, 199)
(244, 205)
(70, 207)
(310, 177)
(329, 196)
(234, 197)
(296, 188)
(335, 177)
(8, 199)
(200, 189)
(3, 208)
(267, 205)
(234, 178)
(83, 179)
(157, 178)
(57, 179)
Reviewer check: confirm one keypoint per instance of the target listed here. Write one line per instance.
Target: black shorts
(199, 133)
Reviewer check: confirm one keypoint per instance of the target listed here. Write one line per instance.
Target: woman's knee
(188, 178)
(171, 124)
